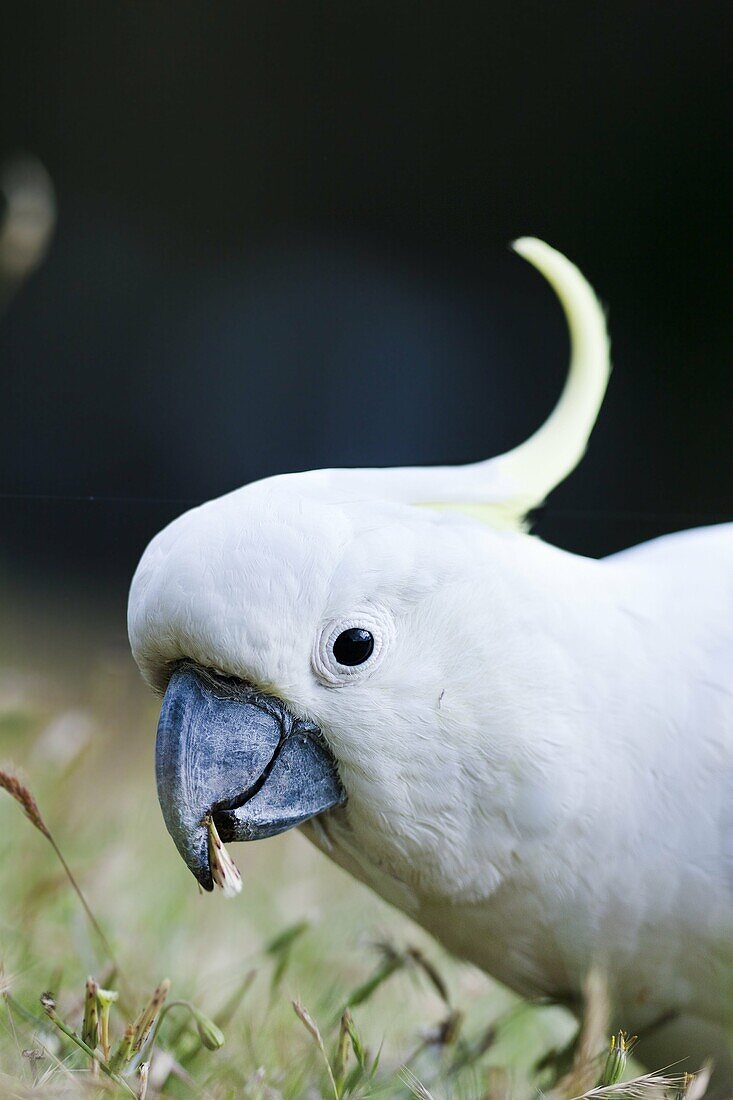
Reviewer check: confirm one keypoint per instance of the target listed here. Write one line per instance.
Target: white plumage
(538, 755)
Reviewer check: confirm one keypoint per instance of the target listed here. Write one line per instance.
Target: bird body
(535, 757)
(586, 810)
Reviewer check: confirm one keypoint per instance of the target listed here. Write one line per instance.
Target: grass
(270, 972)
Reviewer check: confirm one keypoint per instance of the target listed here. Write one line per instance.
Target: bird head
(304, 630)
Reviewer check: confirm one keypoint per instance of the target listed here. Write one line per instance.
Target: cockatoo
(528, 751)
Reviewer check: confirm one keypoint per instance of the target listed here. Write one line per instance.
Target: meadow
(77, 727)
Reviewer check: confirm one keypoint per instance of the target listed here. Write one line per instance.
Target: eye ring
(369, 631)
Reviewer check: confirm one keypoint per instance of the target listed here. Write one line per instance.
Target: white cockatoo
(528, 751)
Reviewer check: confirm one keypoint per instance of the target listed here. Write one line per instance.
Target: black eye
(353, 646)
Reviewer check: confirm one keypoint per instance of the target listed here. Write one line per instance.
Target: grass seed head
(211, 1036)
(696, 1084)
(223, 868)
(142, 1088)
(124, 1052)
(356, 1044)
(312, 1028)
(307, 1021)
(25, 800)
(105, 999)
(149, 1014)
(620, 1048)
(90, 1025)
(415, 1085)
(341, 1058)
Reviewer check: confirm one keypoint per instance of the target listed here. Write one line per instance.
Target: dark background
(282, 244)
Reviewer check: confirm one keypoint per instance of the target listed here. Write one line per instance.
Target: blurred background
(281, 243)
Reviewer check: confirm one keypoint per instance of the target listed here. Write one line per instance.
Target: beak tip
(196, 857)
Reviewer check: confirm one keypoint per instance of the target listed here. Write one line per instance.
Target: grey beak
(226, 750)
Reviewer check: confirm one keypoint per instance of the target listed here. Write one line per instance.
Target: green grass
(78, 725)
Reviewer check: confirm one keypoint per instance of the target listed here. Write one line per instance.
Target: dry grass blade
(27, 802)
(649, 1086)
(415, 1086)
(312, 1028)
(224, 870)
(592, 1038)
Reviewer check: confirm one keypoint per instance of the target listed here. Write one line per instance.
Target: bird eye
(353, 646)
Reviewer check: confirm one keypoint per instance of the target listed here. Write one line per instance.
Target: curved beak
(226, 751)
